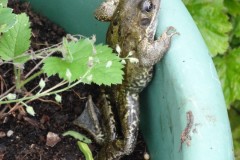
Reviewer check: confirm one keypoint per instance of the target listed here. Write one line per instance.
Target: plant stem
(49, 53)
(30, 78)
(17, 74)
(47, 92)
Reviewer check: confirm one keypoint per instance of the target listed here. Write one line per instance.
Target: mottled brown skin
(132, 27)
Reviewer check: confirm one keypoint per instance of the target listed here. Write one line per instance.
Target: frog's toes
(171, 31)
(100, 138)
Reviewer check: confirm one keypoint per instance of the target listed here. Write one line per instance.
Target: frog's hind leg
(129, 118)
(99, 122)
(108, 123)
(89, 120)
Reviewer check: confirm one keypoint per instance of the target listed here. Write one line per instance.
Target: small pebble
(2, 134)
(5, 120)
(146, 156)
(10, 133)
(32, 146)
(52, 139)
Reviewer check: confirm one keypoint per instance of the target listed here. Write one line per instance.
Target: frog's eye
(146, 6)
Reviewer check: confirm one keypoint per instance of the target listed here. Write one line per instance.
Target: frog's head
(132, 21)
(141, 15)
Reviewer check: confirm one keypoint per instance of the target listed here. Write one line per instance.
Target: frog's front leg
(150, 53)
(106, 10)
(129, 119)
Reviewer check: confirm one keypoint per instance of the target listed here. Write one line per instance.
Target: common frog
(132, 27)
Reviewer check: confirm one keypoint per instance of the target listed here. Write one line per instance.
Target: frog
(131, 31)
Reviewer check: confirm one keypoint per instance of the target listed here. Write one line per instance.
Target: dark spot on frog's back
(145, 21)
(115, 22)
(124, 44)
(119, 32)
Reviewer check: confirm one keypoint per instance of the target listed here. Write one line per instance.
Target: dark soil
(28, 139)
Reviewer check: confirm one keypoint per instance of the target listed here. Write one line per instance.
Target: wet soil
(23, 137)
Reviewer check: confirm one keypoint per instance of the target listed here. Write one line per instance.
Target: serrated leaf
(67, 55)
(77, 136)
(79, 50)
(101, 72)
(56, 65)
(16, 41)
(105, 66)
(74, 61)
(85, 150)
(213, 24)
(228, 68)
(7, 19)
(233, 6)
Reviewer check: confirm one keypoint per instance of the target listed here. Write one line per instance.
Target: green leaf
(7, 19)
(233, 6)
(101, 72)
(228, 68)
(236, 30)
(216, 3)
(67, 55)
(85, 150)
(74, 61)
(77, 136)
(236, 142)
(56, 65)
(79, 50)
(213, 24)
(235, 126)
(81, 57)
(3, 3)
(16, 41)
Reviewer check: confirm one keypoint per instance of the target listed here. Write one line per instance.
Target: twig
(47, 101)
(3, 96)
(78, 95)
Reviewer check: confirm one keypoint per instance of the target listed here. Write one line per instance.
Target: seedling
(82, 143)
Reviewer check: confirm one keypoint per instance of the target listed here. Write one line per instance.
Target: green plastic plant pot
(184, 81)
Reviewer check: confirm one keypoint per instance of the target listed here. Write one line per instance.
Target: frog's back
(127, 31)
